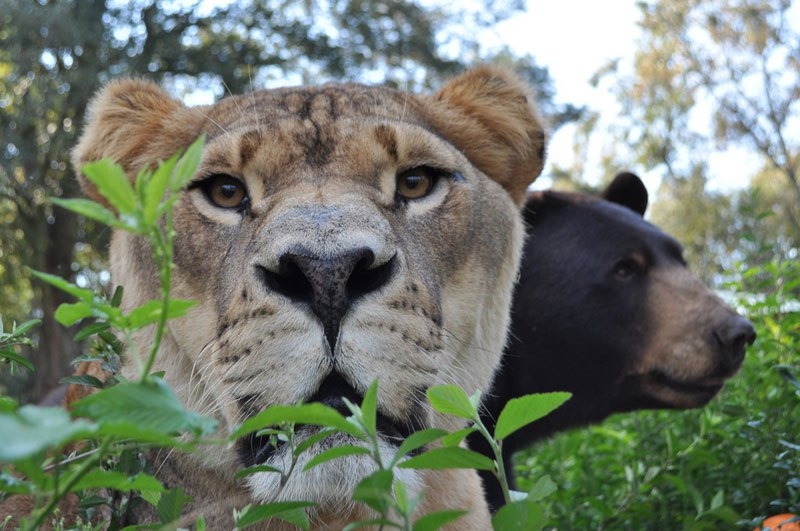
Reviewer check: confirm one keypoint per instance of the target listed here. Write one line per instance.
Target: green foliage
(727, 465)
(10, 340)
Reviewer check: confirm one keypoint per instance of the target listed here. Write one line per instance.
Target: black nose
(733, 335)
(328, 284)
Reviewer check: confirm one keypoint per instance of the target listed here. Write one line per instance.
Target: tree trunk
(56, 347)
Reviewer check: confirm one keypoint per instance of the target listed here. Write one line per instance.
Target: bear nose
(733, 336)
(328, 284)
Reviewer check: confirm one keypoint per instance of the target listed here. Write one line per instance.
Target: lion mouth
(257, 449)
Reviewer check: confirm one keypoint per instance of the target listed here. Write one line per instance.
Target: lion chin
(333, 236)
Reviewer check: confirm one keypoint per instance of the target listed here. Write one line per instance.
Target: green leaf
(83, 379)
(116, 299)
(451, 400)
(89, 330)
(519, 515)
(9, 355)
(375, 490)
(543, 487)
(111, 479)
(335, 453)
(8, 404)
(313, 439)
(292, 512)
(83, 294)
(315, 414)
(155, 186)
(520, 412)
(170, 505)
(24, 328)
(33, 429)
(149, 405)
(150, 312)
(416, 440)
(437, 520)
(187, 165)
(455, 438)
(89, 209)
(369, 409)
(70, 313)
(112, 183)
(450, 457)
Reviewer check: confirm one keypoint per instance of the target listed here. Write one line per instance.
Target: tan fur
(678, 301)
(320, 167)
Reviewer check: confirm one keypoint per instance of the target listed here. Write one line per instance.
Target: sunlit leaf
(150, 312)
(437, 520)
(112, 183)
(292, 512)
(543, 487)
(519, 515)
(450, 457)
(33, 429)
(375, 490)
(70, 313)
(89, 209)
(451, 400)
(315, 414)
(83, 294)
(520, 412)
(416, 441)
(369, 408)
(335, 453)
(149, 405)
(100, 478)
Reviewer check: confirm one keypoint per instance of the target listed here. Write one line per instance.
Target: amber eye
(416, 182)
(225, 191)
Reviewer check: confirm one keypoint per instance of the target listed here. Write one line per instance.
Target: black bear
(607, 309)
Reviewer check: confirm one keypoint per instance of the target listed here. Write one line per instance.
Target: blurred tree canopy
(709, 75)
(55, 54)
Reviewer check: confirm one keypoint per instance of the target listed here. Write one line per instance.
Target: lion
(333, 236)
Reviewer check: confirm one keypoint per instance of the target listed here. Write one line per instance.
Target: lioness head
(333, 236)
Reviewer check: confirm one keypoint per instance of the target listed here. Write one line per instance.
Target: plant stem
(58, 496)
(497, 449)
(162, 251)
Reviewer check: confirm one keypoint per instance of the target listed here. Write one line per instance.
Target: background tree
(54, 55)
(709, 75)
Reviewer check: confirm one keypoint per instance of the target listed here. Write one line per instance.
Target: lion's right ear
(490, 115)
(136, 124)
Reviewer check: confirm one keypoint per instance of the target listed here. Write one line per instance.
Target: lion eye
(416, 183)
(225, 192)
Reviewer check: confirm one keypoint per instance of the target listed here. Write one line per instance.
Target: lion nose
(328, 284)
(733, 336)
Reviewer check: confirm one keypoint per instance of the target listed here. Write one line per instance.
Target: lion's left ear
(490, 115)
(136, 124)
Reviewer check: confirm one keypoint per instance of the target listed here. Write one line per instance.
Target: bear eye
(416, 183)
(628, 268)
(225, 191)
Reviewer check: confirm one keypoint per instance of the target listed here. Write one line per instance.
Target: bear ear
(489, 114)
(136, 124)
(628, 190)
